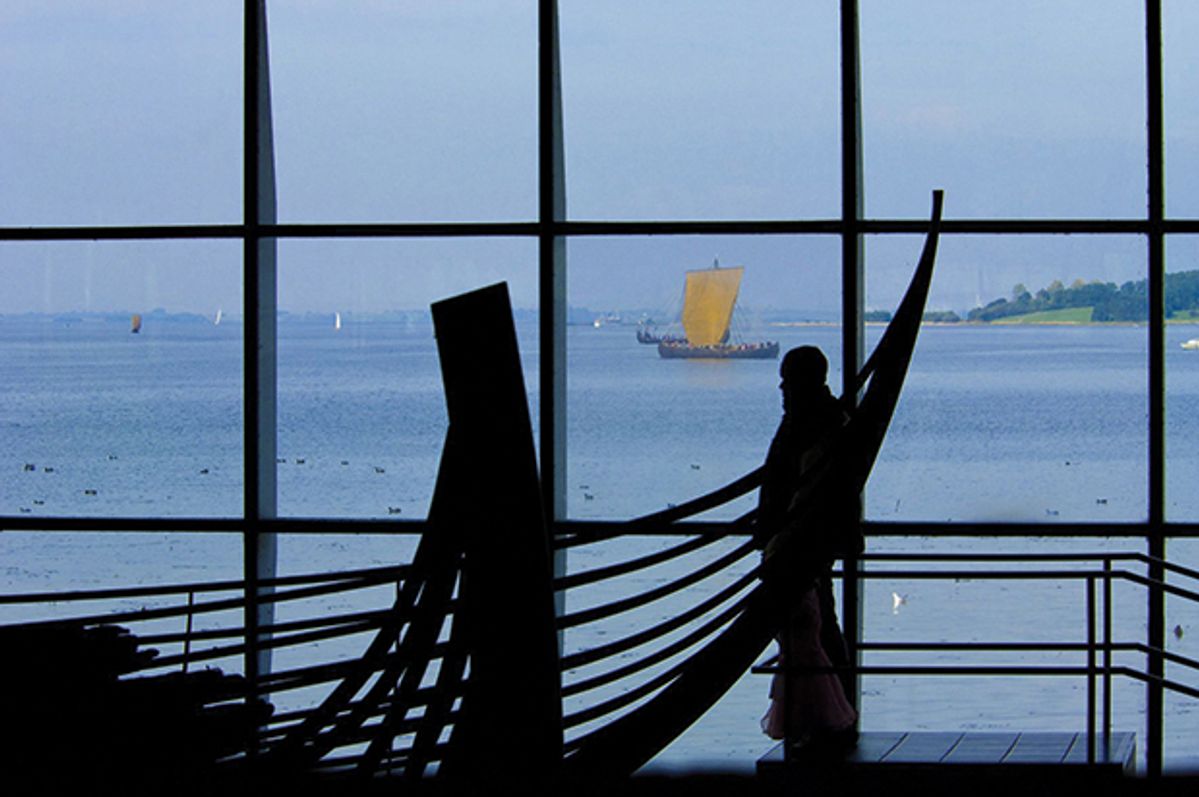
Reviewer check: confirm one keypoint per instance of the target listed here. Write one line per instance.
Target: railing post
(1090, 669)
(187, 631)
(1107, 650)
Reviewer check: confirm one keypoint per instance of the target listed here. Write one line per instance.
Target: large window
(222, 225)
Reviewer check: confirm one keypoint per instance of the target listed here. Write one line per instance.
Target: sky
(128, 112)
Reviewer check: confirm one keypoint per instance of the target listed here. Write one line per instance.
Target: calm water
(1012, 424)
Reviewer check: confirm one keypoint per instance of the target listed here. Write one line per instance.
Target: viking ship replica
(709, 297)
(456, 664)
(648, 334)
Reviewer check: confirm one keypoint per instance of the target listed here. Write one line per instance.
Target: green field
(1067, 315)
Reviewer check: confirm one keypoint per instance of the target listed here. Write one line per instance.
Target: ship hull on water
(749, 351)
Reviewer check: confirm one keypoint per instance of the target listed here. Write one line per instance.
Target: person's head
(803, 371)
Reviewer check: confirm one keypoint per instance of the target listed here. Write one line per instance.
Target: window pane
(96, 420)
(361, 406)
(700, 110)
(116, 113)
(1014, 108)
(1181, 729)
(643, 431)
(1182, 378)
(405, 111)
(1180, 73)
(1037, 415)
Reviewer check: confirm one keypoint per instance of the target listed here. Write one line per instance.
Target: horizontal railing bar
(944, 669)
(1114, 556)
(316, 526)
(1141, 647)
(988, 646)
(207, 607)
(1166, 683)
(1142, 529)
(353, 579)
(1072, 556)
(981, 575)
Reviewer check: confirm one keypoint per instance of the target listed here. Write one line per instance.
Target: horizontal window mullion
(606, 228)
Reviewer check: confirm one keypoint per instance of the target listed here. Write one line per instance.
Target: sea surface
(1016, 423)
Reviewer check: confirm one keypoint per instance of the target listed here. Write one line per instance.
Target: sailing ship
(216, 321)
(337, 321)
(647, 333)
(135, 324)
(709, 296)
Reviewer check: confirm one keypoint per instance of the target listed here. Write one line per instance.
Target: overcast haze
(129, 113)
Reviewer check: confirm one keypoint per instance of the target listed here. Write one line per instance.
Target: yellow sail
(708, 300)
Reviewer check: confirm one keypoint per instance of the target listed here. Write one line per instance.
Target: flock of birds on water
(32, 467)
(897, 600)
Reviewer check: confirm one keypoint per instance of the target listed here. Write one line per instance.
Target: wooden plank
(492, 509)
(1117, 752)
(922, 748)
(996, 752)
(1040, 748)
(981, 748)
(874, 747)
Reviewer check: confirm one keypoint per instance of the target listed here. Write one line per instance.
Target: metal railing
(1098, 573)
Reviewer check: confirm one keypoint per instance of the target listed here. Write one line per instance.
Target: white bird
(897, 600)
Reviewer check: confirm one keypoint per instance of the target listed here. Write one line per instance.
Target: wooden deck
(962, 758)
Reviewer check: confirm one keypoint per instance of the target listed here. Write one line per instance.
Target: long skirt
(803, 705)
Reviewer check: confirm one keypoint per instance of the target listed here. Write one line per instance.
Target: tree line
(1108, 301)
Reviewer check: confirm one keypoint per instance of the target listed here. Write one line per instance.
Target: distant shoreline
(982, 324)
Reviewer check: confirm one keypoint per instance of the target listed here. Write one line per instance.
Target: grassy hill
(1066, 315)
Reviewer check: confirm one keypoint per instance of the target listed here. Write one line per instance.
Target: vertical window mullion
(260, 306)
(852, 329)
(1157, 398)
(551, 276)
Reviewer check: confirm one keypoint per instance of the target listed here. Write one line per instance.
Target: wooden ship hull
(463, 668)
(768, 350)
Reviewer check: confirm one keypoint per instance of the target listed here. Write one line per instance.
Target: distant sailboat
(708, 300)
(216, 322)
(135, 324)
(337, 320)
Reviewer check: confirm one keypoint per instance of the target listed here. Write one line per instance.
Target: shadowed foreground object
(73, 722)
(461, 672)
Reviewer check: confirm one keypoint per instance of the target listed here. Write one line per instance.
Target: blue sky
(126, 112)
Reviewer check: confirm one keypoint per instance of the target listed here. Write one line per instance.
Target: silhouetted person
(811, 710)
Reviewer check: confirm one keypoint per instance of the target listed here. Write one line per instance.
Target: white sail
(337, 320)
